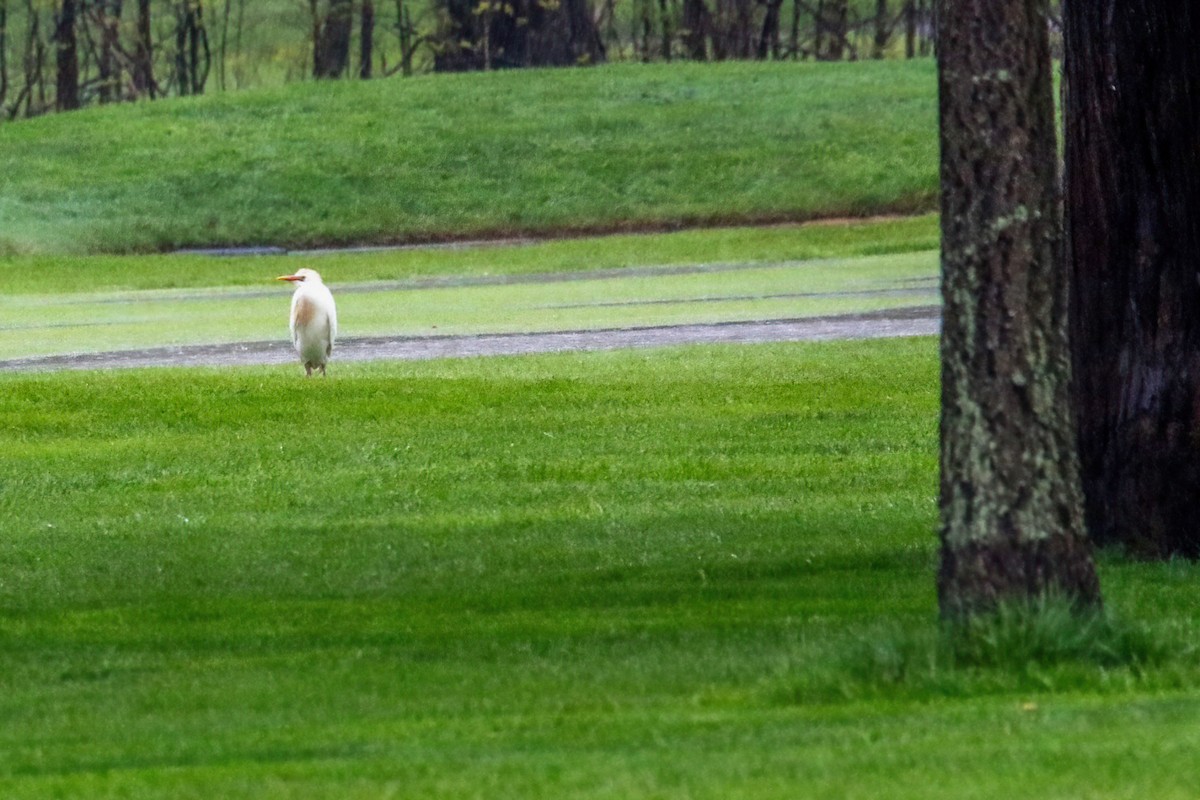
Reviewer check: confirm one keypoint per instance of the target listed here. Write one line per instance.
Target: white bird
(314, 319)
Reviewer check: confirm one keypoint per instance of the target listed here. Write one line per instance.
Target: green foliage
(440, 156)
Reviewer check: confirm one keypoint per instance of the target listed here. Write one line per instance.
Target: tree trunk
(883, 29)
(143, 53)
(108, 16)
(836, 24)
(1011, 504)
(193, 58)
(33, 65)
(768, 40)
(794, 38)
(744, 43)
(664, 15)
(66, 44)
(910, 29)
(1133, 233)
(332, 54)
(366, 39)
(541, 33)
(406, 33)
(696, 24)
(223, 51)
(647, 30)
(819, 30)
(923, 22)
(3, 53)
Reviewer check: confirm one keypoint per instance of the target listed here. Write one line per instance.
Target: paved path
(918, 321)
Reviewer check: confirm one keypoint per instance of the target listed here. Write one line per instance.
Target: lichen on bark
(1011, 504)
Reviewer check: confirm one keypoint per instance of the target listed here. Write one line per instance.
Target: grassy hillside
(693, 573)
(625, 146)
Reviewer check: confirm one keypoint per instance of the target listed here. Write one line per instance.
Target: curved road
(916, 321)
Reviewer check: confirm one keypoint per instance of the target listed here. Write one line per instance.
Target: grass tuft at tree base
(1039, 646)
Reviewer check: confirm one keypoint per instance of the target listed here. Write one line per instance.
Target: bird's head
(302, 276)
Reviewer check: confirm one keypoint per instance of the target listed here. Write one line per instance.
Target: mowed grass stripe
(497, 557)
(674, 573)
(35, 326)
(601, 283)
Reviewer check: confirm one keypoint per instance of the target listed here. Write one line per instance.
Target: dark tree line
(65, 54)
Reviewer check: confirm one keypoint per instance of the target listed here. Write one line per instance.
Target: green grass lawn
(694, 572)
(700, 572)
(621, 146)
(52, 305)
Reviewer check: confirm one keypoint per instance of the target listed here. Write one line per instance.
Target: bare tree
(66, 46)
(501, 34)
(3, 52)
(1133, 222)
(32, 94)
(193, 57)
(366, 38)
(331, 55)
(107, 16)
(664, 18)
(697, 26)
(883, 29)
(223, 48)
(768, 40)
(1011, 502)
(406, 32)
(910, 29)
(143, 53)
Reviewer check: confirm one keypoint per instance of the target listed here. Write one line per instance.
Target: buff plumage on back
(313, 322)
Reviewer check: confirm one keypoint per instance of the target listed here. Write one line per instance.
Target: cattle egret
(314, 319)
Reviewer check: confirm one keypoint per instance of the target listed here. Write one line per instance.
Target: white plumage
(313, 321)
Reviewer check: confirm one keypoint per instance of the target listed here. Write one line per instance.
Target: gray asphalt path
(916, 321)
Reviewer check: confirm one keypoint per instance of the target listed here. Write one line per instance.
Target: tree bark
(794, 37)
(406, 32)
(910, 29)
(819, 30)
(366, 39)
(883, 29)
(66, 45)
(664, 19)
(223, 50)
(332, 54)
(542, 33)
(836, 25)
(696, 25)
(143, 53)
(108, 16)
(33, 67)
(3, 52)
(1011, 503)
(768, 40)
(1133, 231)
(193, 58)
